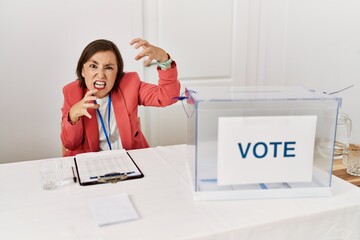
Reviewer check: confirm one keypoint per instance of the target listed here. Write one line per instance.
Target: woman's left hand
(151, 51)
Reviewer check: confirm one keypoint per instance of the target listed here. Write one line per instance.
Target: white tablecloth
(164, 201)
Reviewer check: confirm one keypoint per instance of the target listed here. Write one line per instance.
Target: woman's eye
(92, 66)
(109, 68)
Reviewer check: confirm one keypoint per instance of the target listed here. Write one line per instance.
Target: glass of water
(51, 174)
(353, 160)
(343, 134)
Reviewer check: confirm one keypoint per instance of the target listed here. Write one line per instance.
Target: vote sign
(267, 149)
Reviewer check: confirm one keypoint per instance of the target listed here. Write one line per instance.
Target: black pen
(74, 177)
(115, 174)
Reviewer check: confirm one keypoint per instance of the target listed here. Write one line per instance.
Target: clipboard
(110, 166)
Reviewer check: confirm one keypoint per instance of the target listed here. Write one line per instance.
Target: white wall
(313, 43)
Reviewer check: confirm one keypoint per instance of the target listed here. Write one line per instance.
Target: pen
(74, 177)
(112, 175)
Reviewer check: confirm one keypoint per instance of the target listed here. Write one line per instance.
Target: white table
(164, 201)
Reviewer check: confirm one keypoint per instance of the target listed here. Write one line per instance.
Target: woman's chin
(101, 93)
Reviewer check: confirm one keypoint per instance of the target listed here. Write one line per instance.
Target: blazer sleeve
(71, 135)
(163, 94)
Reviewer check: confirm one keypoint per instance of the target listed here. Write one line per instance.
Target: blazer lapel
(91, 129)
(122, 118)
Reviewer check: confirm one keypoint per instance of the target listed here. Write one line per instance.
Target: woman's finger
(148, 61)
(135, 40)
(87, 114)
(143, 53)
(89, 99)
(140, 43)
(91, 105)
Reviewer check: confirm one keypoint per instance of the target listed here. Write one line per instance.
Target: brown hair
(100, 45)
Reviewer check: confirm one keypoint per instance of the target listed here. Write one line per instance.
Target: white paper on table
(113, 209)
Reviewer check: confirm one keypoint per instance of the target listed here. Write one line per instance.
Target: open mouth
(99, 84)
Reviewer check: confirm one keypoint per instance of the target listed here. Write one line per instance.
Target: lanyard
(107, 135)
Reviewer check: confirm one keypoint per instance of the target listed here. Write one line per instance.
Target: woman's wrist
(166, 64)
(71, 120)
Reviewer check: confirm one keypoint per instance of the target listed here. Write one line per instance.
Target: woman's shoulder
(129, 79)
(130, 76)
(73, 91)
(72, 85)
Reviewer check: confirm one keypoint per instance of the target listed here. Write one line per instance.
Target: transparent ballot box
(260, 142)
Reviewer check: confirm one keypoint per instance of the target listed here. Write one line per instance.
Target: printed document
(94, 166)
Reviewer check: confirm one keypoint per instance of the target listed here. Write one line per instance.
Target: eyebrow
(109, 64)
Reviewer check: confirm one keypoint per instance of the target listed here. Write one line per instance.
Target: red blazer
(84, 135)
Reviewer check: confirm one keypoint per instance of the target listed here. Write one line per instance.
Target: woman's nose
(101, 73)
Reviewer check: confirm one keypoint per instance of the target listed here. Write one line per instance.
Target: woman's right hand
(81, 108)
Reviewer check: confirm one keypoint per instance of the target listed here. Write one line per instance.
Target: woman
(100, 109)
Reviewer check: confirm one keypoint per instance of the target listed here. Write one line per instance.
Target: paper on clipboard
(91, 167)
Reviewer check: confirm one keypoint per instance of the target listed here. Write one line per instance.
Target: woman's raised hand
(151, 51)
